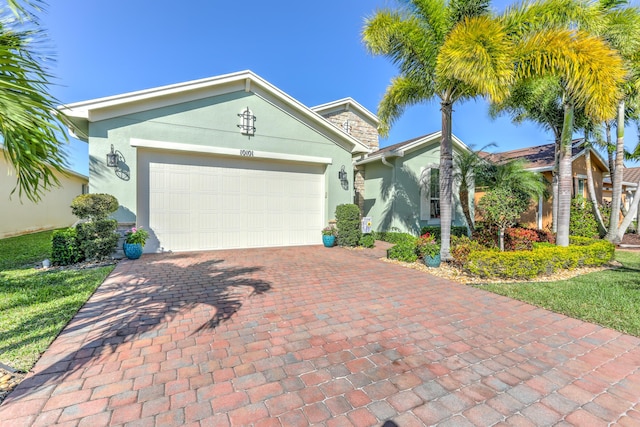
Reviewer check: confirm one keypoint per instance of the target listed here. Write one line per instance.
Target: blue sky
(310, 50)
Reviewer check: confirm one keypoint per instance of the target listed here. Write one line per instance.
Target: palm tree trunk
(464, 201)
(446, 180)
(564, 176)
(616, 178)
(633, 211)
(554, 186)
(592, 194)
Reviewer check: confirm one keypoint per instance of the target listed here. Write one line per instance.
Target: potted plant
(134, 241)
(329, 236)
(429, 250)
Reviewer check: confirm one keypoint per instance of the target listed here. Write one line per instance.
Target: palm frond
(478, 52)
(591, 71)
(400, 94)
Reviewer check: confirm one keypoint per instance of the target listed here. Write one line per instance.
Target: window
(579, 187)
(430, 193)
(85, 188)
(434, 194)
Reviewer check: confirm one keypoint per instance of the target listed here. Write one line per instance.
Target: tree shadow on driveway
(155, 301)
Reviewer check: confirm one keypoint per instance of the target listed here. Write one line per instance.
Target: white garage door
(218, 203)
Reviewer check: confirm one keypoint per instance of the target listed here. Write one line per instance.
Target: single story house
(223, 162)
(22, 216)
(542, 159)
(401, 185)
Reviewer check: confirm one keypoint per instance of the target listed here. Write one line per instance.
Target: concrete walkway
(309, 335)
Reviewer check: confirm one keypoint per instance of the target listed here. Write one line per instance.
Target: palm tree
(622, 32)
(29, 126)
(412, 37)
(468, 167)
(456, 51)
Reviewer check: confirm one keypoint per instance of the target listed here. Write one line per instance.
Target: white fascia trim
(134, 102)
(233, 152)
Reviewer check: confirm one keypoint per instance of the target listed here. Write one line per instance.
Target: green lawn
(36, 304)
(609, 298)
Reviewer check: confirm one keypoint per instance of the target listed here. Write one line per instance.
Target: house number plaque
(246, 153)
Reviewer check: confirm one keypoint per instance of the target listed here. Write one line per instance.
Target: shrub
(434, 231)
(97, 239)
(546, 236)
(64, 247)
(582, 222)
(94, 206)
(486, 235)
(520, 239)
(426, 245)
(581, 241)
(348, 224)
(367, 241)
(461, 247)
(392, 236)
(544, 259)
(404, 250)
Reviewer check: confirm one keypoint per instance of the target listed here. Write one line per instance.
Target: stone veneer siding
(360, 129)
(358, 184)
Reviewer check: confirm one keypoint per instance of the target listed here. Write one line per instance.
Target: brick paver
(310, 335)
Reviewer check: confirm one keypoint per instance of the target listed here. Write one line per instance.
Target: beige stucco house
(21, 216)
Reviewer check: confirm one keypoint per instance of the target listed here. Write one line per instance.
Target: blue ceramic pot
(132, 250)
(328, 240)
(432, 261)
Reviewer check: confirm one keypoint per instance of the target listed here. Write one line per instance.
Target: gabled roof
(80, 114)
(401, 148)
(541, 158)
(630, 177)
(347, 104)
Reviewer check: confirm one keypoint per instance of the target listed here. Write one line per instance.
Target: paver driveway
(310, 335)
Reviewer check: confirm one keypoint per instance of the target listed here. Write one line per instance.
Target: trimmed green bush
(433, 230)
(65, 249)
(582, 241)
(367, 240)
(405, 249)
(544, 259)
(461, 247)
(94, 206)
(582, 221)
(348, 225)
(97, 239)
(392, 236)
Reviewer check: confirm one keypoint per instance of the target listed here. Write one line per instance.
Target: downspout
(384, 161)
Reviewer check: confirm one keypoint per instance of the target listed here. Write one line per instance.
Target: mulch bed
(9, 379)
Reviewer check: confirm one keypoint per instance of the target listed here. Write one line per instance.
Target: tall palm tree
(456, 51)
(622, 31)
(29, 126)
(412, 37)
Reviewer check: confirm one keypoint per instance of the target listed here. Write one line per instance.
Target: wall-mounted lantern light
(247, 122)
(112, 158)
(342, 176)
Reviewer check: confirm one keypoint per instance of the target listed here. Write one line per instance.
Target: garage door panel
(200, 203)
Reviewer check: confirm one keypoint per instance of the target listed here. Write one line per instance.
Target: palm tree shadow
(402, 199)
(142, 301)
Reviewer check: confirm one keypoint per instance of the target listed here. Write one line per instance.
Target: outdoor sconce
(342, 176)
(112, 158)
(247, 122)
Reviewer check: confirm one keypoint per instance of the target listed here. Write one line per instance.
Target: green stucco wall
(210, 122)
(392, 194)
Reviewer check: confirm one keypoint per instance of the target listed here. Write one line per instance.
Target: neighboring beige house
(52, 211)
(631, 177)
(541, 159)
